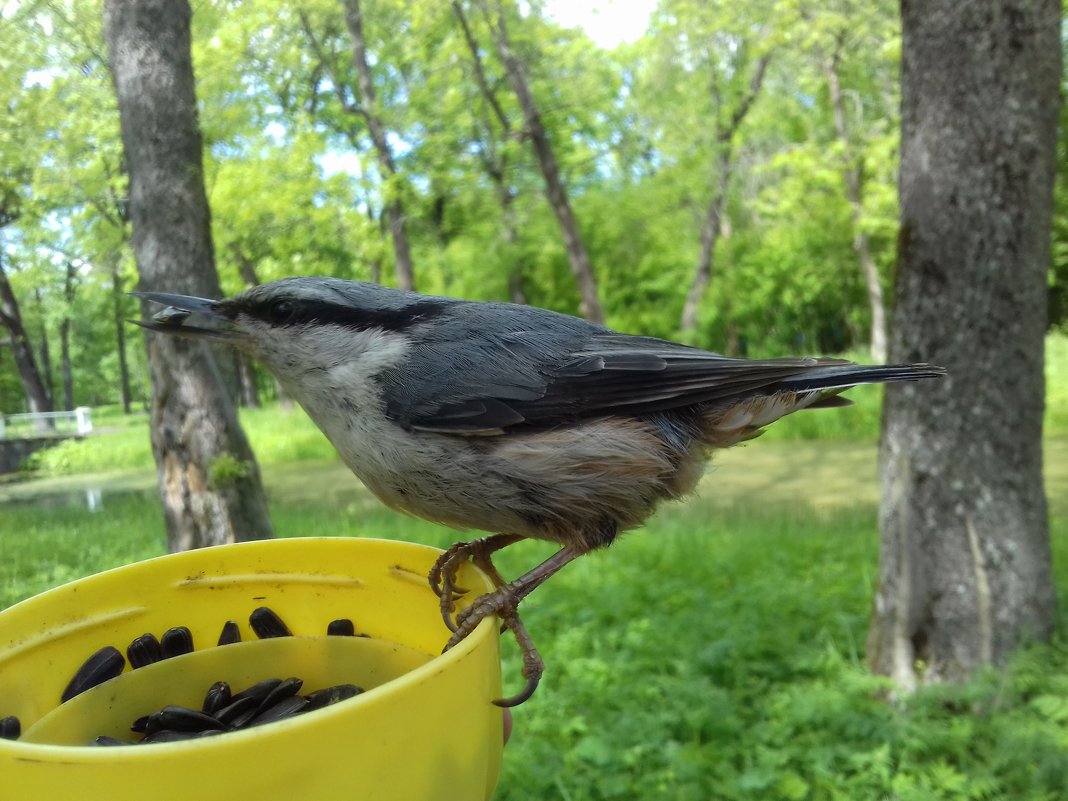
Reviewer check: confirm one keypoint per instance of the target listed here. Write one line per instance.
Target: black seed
(107, 663)
(341, 628)
(284, 689)
(103, 739)
(232, 711)
(10, 728)
(144, 651)
(242, 720)
(179, 718)
(331, 695)
(140, 725)
(176, 641)
(258, 691)
(168, 736)
(285, 708)
(267, 624)
(230, 633)
(218, 697)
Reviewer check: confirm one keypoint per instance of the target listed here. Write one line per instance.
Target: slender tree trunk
(64, 340)
(710, 232)
(726, 128)
(494, 161)
(21, 348)
(394, 207)
(45, 349)
(851, 174)
(965, 563)
(578, 258)
(118, 291)
(194, 423)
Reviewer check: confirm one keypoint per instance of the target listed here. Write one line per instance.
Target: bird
(513, 420)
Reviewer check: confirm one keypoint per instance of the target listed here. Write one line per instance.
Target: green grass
(717, 654)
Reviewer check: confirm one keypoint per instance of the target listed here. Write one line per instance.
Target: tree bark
(578, 258)
(45, 349)
(965, 562)
(64, 340)
(118, 291)
(851, 174)
(394, 207)
(712, 228)
(208, 477)
(21, 348)
(495, 162)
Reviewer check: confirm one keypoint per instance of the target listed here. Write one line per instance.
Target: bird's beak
(178, 308)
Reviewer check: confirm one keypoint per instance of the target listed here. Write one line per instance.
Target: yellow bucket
(424, 729)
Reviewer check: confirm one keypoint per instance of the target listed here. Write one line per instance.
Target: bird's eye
(280, 312)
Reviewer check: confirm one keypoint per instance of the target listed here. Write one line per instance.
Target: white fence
(36, 424)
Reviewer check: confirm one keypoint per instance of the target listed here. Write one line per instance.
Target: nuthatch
(505, 418)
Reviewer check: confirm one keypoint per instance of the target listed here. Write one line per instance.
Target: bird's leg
(443, 574)
(504, 601)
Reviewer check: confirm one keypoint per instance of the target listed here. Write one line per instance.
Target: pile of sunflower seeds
(265, 702)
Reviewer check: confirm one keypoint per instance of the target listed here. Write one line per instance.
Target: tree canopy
(297, 182)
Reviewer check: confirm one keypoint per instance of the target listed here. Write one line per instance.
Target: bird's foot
(443, 574)
(503, 602)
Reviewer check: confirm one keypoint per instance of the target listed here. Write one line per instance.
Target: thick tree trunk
(851, 174)
(22, 348)
(117, 294)
(578, 258)
(965, 563)
(208, 476)
(377, 129)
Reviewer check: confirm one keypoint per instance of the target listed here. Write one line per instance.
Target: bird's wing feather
(542, 373)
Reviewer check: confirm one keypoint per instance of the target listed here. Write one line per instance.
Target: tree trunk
(855, 194)
(208, 477)
(710, 232)
(117, 294)
(394, 206)
(965, 562)
(45, 349)
(726, 129)
(495, 162)
(578, 258)
(22, 348)
(64, 340)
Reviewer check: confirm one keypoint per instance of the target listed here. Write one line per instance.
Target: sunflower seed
(103, 739)
(285, 689)
(267, 624)
(230, 633)
(144, 651)
(341, 628)
(107, 663)
(331, 695)
(10, 728)
(285, 708)
(218, 696)
(176, 641)
(180, 718)
(236, 708)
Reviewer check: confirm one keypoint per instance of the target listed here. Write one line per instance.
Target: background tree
(208, 477)
(965, 568)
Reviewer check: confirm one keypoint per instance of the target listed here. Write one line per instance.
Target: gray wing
(495, 367)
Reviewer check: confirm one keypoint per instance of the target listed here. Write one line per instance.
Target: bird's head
(299, 325)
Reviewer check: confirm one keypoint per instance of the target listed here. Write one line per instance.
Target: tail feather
(851, 375)
(746, 417)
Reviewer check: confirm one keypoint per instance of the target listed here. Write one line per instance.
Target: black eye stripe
(285, 312)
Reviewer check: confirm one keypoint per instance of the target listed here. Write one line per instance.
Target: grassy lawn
(717, 654)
